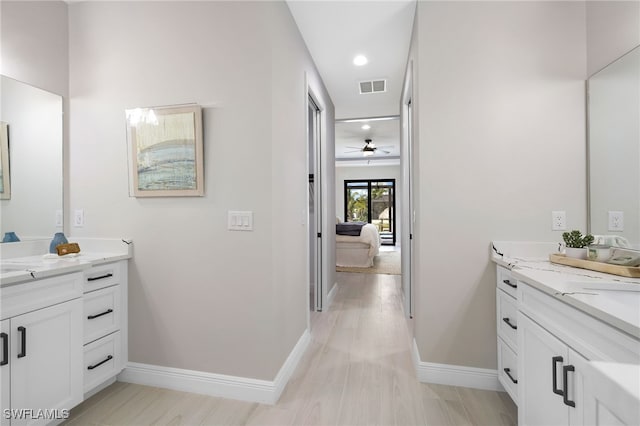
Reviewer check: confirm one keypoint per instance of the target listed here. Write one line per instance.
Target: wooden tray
(607, 268)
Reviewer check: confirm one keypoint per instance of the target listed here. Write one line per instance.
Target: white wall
(501, 144)
(201, 297)
(369, 172)
(613, 29)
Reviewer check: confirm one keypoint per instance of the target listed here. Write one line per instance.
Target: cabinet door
(5, 367)
(612, 394)
(541, 357)
(575, 370)
(46, 360)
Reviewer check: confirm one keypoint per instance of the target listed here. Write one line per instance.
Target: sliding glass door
(372, 201)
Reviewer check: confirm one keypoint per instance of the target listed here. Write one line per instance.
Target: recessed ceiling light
(360, 60)
(365, 127)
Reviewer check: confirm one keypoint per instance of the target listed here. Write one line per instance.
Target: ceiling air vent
(374, 86)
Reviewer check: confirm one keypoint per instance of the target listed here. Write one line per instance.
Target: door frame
(407, 239)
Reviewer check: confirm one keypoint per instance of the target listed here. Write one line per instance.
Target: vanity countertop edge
(566, 284)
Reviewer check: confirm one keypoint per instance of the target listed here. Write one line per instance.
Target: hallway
(357, 370)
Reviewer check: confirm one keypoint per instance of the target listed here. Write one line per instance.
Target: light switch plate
(78, 218)
(59, 221)
(240, 220)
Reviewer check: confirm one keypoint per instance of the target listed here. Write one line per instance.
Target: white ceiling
(335, 32)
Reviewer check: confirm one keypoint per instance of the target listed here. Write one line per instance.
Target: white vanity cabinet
(552, 387)
(41, 354)
(104, 317)
(507, 326)
(556, 343)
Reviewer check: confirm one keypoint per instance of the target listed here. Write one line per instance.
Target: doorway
(315, 205)
(372, 201)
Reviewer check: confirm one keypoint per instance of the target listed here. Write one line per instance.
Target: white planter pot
(576, 253)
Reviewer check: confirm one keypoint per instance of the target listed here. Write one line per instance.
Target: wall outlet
(616, 221)
(558, 220)
(78, 218)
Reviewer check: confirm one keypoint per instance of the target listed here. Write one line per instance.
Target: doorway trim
(407, 240)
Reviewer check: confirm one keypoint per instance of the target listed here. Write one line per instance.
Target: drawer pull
(515, 327)
(5, 348)
(23, 342)
(508, 373)
(508, 282)
(91, 367)
(101, 277)
(554, 375)
(565, 397)
(108, 311)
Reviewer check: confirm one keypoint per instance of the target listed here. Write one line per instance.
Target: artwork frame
(5, 171)
(165, 151)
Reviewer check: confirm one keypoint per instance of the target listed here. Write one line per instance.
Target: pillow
(338, 220)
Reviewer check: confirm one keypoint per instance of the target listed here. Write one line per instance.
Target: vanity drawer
(102, 276)
(507, 316)
(102, 309)
(37, 294)
(508, 369)
(102, 360)
(506, 282)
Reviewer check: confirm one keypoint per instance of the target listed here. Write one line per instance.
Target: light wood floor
(357, 371)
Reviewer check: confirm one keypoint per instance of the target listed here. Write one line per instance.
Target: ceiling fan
(369, 148)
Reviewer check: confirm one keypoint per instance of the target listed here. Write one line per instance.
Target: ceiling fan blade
(385, 151)
(355, 147)
(351, 152)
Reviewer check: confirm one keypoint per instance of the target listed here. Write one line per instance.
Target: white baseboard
(330, 297)
(455, 375)
(219, 385)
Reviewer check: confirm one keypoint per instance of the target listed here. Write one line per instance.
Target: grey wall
(201, 297)
(501, 144)
(613, 29)
(34, 49)
(34, 44)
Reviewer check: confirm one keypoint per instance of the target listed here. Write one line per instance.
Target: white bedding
(368, 235)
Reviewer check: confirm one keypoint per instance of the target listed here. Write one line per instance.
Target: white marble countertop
(20, 265)
(610, 298)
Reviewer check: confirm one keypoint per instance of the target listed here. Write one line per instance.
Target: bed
(358, 251)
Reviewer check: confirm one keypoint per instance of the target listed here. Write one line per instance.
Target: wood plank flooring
(357, 371)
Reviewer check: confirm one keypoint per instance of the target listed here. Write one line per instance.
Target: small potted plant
(576, 244)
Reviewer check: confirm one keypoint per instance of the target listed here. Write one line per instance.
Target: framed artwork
(5, 177)
(165, 151)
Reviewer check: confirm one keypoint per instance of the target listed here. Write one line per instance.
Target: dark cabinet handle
(554, 361)
(515, 327)
(23, 342)
(508, 373)
(108, 311)
(565, 373)
(5, 348)
(100, 277)
(508, 282)
(91, 367)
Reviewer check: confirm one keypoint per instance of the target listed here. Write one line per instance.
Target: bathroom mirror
(614, 149)
(33, 118)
